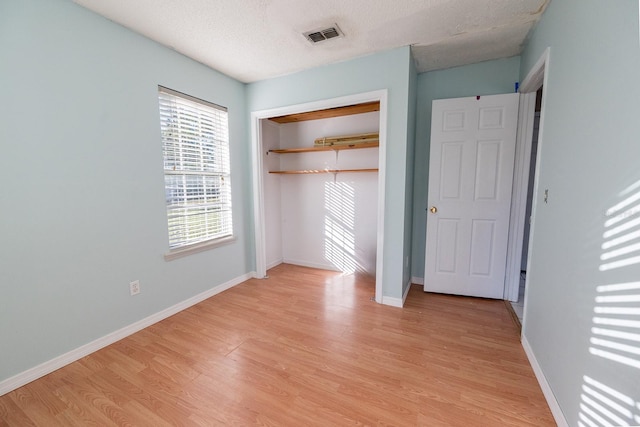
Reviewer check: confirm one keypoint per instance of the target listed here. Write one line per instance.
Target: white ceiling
(253, 40)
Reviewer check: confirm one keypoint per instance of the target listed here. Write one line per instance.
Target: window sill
(198, 247)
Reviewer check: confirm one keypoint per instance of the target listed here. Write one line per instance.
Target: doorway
(525, 184)
(518, 306)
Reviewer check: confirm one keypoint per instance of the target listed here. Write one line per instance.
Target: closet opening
(320, 174)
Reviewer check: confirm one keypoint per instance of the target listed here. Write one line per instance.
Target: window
(195, 141)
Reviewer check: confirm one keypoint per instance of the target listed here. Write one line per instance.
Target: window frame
(211, 168)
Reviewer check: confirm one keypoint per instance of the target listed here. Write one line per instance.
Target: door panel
(487, 170)
(482, 240)
(451, 167)
(447, 245)
(470, 178)
(492, 118)
(454, 120)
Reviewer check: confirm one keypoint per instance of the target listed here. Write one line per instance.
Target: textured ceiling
(253, 40)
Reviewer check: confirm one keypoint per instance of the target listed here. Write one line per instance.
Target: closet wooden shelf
(347, 110)
(312, 171)
(325, 148)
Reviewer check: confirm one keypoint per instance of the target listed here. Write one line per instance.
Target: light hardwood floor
(305, 347)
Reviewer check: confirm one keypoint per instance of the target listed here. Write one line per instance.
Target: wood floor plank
(12, 415)
(38, 402)
(303, 347)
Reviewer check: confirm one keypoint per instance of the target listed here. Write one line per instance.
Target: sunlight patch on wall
(620, 236)
(615, 332)
(603, 406)
(616, 324)
(339, 222)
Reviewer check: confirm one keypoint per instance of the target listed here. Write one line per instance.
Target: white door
(470, 176)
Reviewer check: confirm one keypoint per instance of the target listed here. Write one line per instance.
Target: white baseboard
(45, 368)
(556, 411)
(310, 264)
(397, 302)
(417, 280)
(274, 264)
(393, 302)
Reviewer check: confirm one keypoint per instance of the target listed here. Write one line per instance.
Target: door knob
(433, 209)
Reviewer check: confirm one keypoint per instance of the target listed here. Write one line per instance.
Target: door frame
(258, 172)
(536, 78)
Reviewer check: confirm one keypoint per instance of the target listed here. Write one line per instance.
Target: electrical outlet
(134, 287)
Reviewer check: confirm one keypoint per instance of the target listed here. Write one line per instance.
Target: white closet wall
(327, 221)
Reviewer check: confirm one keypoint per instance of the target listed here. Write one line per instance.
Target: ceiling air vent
(317, 36)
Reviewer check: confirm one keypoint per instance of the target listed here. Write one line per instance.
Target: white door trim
(536, 78)
(258, 172)
(537, 75)
(258, 197)
(519, 195)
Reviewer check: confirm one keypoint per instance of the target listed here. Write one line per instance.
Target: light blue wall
(82, 200)
(590, 152)
(485, 78)
(388, 70)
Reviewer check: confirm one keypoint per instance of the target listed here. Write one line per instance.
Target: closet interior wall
(323, 220)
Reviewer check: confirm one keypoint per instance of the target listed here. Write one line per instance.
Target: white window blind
(195, 139)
